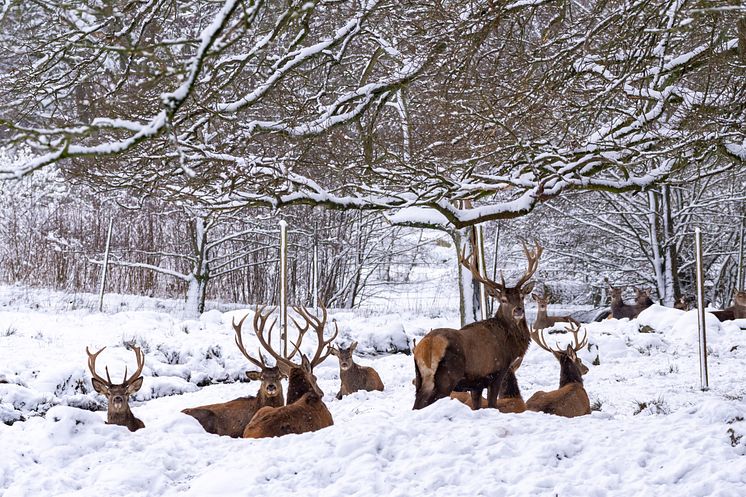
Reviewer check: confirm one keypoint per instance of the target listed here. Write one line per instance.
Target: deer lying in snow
(570, 399)
(305, 410)
(353, 376)
(736, 311)
(117, 395)
(620, 309)
(542, 319)
(509, 399)
(478, 355)
(230, 418)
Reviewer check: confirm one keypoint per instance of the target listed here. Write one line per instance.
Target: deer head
(510, 298)
(300, 376)
(344, 355)
(117, 394)
(270, 376)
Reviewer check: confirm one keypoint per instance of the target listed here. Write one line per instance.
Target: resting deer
(570, 399)
(117, 395)
(619, 309)
(480, 354)
(305, 410)
(230, 418)
(736, 311)
(509, 399)
(353, 376)
(642, 298)
(542, 319)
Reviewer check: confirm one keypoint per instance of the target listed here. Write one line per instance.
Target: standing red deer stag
(305, 410)
(353, 376)
(230, 418)
(542, 319)
(478, 355)
(570, 399)
(117, 395)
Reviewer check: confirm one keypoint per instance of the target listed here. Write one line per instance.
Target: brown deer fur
(305, 409)
(509, 399)
(542, 319)
(736, 311)
(353, 376)
(479, 354)
(117, 395)
(230, 418)
(620, 309)
(571, 399)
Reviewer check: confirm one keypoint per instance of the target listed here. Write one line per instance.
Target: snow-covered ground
(653, 431)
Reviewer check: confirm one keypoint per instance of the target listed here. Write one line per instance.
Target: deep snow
(653, 431)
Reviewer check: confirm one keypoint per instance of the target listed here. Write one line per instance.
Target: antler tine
(538, 337)
(92, 365)
(140, 364)
(239, 341)
(575, 329)
(471, 265)
(533, 262)
(318, 325)
(259, 322)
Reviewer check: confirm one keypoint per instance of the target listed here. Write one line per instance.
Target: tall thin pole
(284, 285)
(739, 276)
(105, 268)
(479, 242)
(701, 312)
(315, 266)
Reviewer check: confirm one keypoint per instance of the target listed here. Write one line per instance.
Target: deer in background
(353, 376)
(117, 395)
(542, 319)
(736, 311)
(570, 399)
(230, 418)
(478, 355)
(620, 309)
(305, 410)
(509, 400)
(642, 298)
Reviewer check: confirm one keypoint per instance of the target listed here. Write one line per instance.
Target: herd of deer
(448, 362)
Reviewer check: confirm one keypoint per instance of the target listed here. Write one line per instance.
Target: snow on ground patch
(653, 432)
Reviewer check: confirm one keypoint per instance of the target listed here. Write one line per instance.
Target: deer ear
(333, 351)
(100, 386)
(306, 364)
(535, 297)
(134, 386)
(527, 288)
(571, 352)
(353, 346)
(254, 375)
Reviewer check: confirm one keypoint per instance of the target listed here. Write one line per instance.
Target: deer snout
(118, 401)
(344, 365)
(518, 313)
(272, 389)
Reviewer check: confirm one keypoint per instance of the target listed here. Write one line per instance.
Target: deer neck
(274, 400)
(569, 372)
(123, 417)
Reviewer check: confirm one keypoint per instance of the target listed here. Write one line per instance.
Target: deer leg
(494, 388)
(476, 399)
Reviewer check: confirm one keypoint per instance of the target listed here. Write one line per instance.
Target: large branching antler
(538, 337)
(493, 288)
(533, 263)
(139, 355)
(239, 337)
(318, 324)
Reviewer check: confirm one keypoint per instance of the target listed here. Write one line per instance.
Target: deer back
(309, 413)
